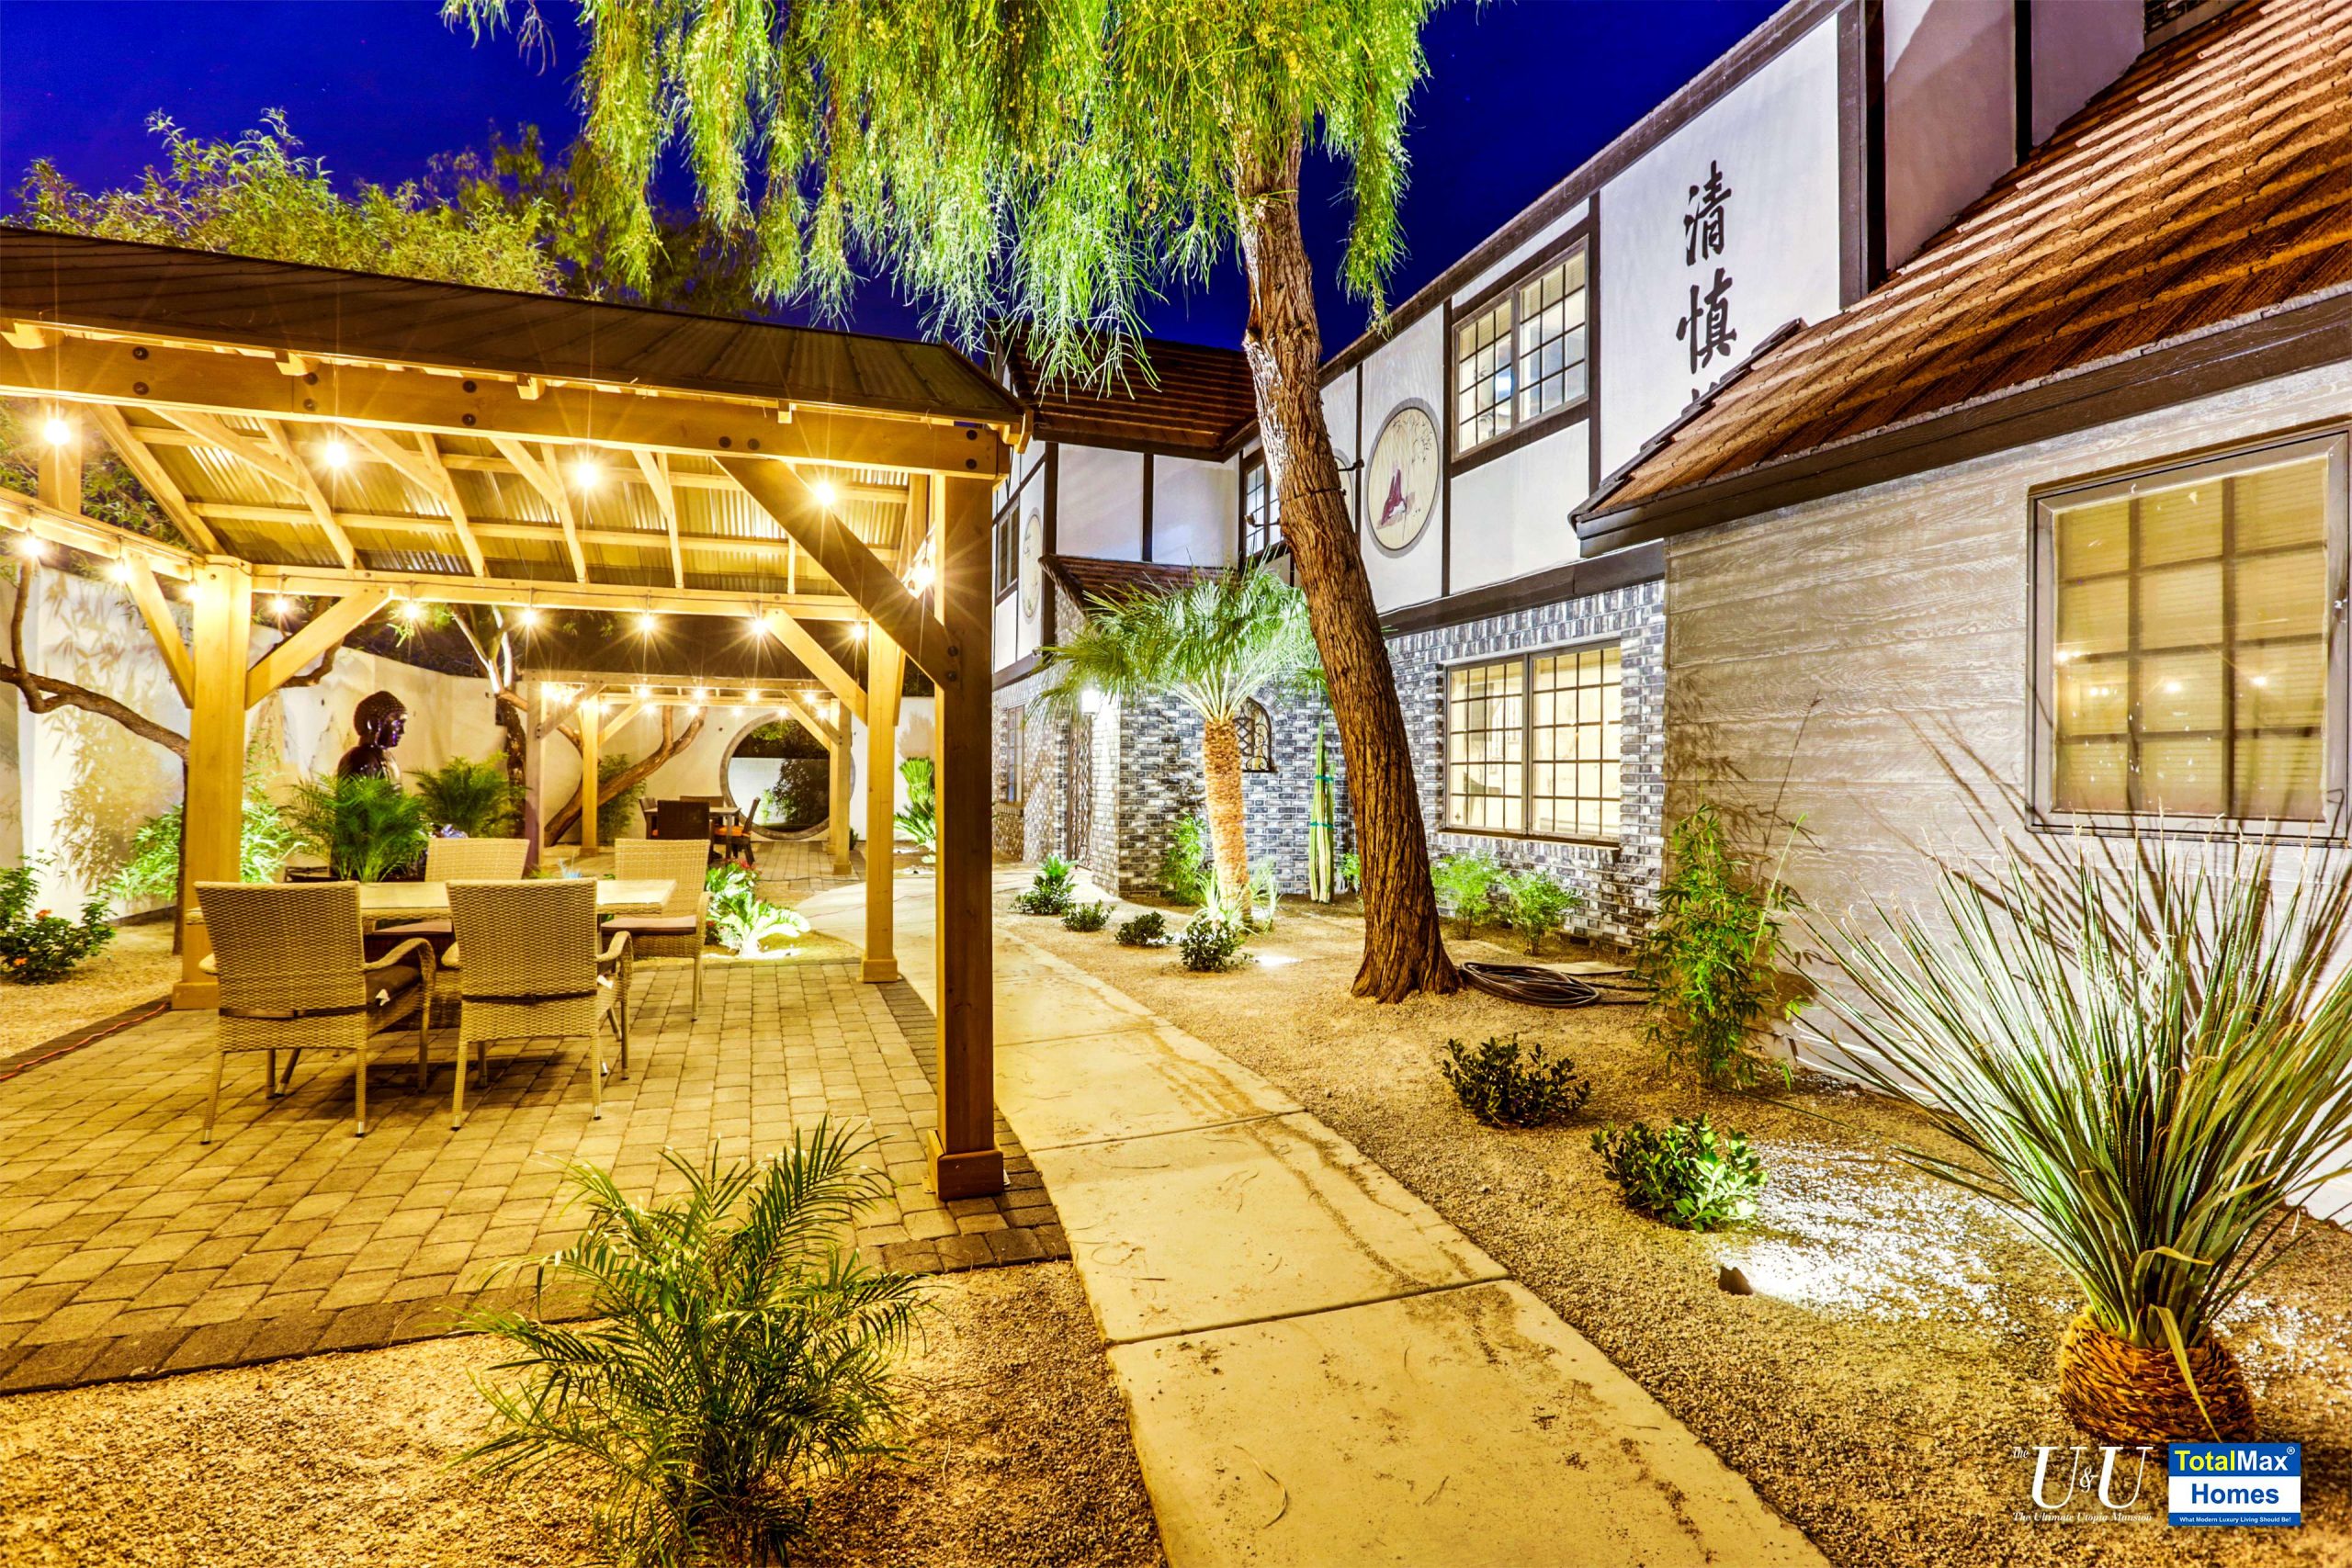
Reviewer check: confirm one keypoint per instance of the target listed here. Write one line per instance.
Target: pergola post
(965, 1161)
(535, 749)
(840, 782)
(591, 765)
(886, 675)
(223, 592)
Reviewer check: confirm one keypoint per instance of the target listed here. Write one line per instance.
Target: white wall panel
(1100, 503)
(1950, 126)
(1195, 510)
(1409, 368)
(1510, 514)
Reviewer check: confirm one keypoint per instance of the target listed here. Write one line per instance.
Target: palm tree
(1216, 643)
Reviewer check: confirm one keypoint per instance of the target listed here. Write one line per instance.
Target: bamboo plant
(2144, 1057)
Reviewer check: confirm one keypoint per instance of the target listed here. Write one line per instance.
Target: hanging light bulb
(921, 576)
(412, 610)
(119, 570)
(280, 606)
(585, 474)
(760, 626)
(527, 616)
(647, 621)
(57, 430)
(643, 691)
(31, 546)
(702, 695)
(335, 452)
(824, 492)
(857, 631)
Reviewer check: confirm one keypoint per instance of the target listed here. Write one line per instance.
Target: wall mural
(1401, 478)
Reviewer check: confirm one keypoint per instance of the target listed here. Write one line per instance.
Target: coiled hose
(1541, 988)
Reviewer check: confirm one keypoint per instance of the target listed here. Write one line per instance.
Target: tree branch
(638, 771)
(54, 693)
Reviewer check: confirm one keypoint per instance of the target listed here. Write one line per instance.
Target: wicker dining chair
(460, 860)
(530, 970)
(684, 924)
(294, 978)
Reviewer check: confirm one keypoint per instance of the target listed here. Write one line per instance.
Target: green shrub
(265, 840)
(616, 815)
(1146, 929)
(1534, 903)
(475, 798)
(36, 945)
(742, 921)
(368, 827)
(1687, 1174)
(1209, 943)
(920, 820)
(1049, 889)
(1352, 869)
(1184, 873)
(1504, 1084)
(737, 1350)
(1711, 955)
(1086, 917)
(1464, 884)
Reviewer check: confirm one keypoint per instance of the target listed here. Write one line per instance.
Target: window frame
(1004, 545)
(1525, 659)
(2042, 813)
(1254, 461)
(1458, 458)
(1255, 716)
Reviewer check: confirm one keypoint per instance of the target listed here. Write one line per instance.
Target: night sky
(1518, 94)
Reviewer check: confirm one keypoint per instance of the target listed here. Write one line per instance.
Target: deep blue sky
(1518, 94)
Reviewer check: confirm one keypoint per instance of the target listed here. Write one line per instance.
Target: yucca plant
(475, 798)
(368, 828)
(738, 1351)
(2147, 1060)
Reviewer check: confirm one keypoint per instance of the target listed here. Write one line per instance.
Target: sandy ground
(1901, 1351)
(136, 966)
(1017, 1454)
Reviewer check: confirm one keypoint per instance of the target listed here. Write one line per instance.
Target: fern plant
(1712, 955)
(477, 799)
(368, 827)
(738, 1350)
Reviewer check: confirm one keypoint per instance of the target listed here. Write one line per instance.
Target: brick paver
(129, 1249)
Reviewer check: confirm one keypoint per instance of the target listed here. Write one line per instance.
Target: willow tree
(1215, 644)
(1060, 161)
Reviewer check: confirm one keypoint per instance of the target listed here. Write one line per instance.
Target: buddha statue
(380, 719)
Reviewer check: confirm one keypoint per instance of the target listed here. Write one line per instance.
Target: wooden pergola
(382, 442)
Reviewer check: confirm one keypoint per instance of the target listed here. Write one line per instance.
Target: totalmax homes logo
(2235, 1483)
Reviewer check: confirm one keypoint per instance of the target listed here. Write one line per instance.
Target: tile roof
(1090, 578)
(2209, 185)
(1189, 400)
(284, 307)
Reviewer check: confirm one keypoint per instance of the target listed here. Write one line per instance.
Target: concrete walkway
(1319, 1369)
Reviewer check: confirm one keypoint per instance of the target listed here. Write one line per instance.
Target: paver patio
(128, 1248)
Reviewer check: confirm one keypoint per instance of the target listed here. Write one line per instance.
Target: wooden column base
(878, 970)
(189, 995)
(979, 1173)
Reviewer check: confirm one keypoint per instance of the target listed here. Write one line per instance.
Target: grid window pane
(1577, 790)
(1261, 508)
(1521, 357)
(2190, 644)
(1485, 770)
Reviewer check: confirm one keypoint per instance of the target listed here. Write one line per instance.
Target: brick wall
(1619, 882)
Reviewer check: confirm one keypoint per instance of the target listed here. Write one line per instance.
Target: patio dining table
(386, 902)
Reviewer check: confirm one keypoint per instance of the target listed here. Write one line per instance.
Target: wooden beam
(801, 710)
(546, 532)
(213, 821)
(535, 750)
(964, 1160)
(886, 674)
(547, 594)
(306, 485)
(323, 632)
(148, 594)
(784, 495)
(841, 780)
(656, 468)
(550, 487)
(554, 715)
(85, 369)
(425, 469)
(109, 543)
(822, 664)
(148, 470)
(591, 765)
(57, 475)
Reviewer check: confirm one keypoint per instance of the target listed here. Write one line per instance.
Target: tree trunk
(568, 815)
(1403, 951)
(1228, 843)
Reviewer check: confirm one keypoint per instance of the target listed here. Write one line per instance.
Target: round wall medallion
(1032, 552)
(1401, 478)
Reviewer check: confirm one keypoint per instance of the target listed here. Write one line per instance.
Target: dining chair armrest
(401, 955)
(615, 951)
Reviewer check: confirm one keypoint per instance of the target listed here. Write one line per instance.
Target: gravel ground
(1017, 1454)
(136, 966)
(1901, 1349)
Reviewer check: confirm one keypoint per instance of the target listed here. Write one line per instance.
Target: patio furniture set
(703, 818)
(341, 967)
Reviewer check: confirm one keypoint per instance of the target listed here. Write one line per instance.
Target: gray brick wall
(1619, 882)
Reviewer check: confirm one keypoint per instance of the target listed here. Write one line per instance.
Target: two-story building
(1775, 191)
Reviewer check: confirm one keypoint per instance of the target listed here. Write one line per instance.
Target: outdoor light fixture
(702, 695)
(644, 691)
(692, 708)
(527, 616)
(280, 606)
(31, 546)
(646, 621)
(760, 626)
(592, 704)
(585, 473)
(752, 696)
(119, 570)
(335, 452)
(825, 492)
(1090, 701)
(412, 610)
(919, 579)
(57, 430)
(857, 631)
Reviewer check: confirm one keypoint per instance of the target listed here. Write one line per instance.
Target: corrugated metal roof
(114, 284)
(2212, 183)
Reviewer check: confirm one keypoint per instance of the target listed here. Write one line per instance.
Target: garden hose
(1538, 986)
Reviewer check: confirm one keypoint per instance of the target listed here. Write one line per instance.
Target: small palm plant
(738, 1351)
(2147, 1062)
(1215, 643)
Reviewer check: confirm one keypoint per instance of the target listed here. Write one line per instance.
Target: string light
(921, 576)
(57, 430)
(527, 617)
(825, 492)
(280, 606)
(752, 696)
(759, 626)
(702, 695)
(119, 570)
(335, 453)
(646, 622)
(412, 610)
(586, 474)
(31, 546)
(643, 691)
(857, 631)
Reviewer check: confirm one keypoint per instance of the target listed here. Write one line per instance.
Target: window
(1005, 544)
(2184, 619)
(1533, 744)
(1255, 730)
(1015, 727)
(1261, 508)
(1521, 359)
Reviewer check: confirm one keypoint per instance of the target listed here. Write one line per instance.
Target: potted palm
(1215, 643)
(2144, 1058)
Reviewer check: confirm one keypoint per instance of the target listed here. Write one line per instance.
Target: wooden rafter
(306, 485)
(797, 639)
(423, 467)
(148, 594)
(154, 477)
(815, 725)
(656, 468)
(316, 637)
(537, 473)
